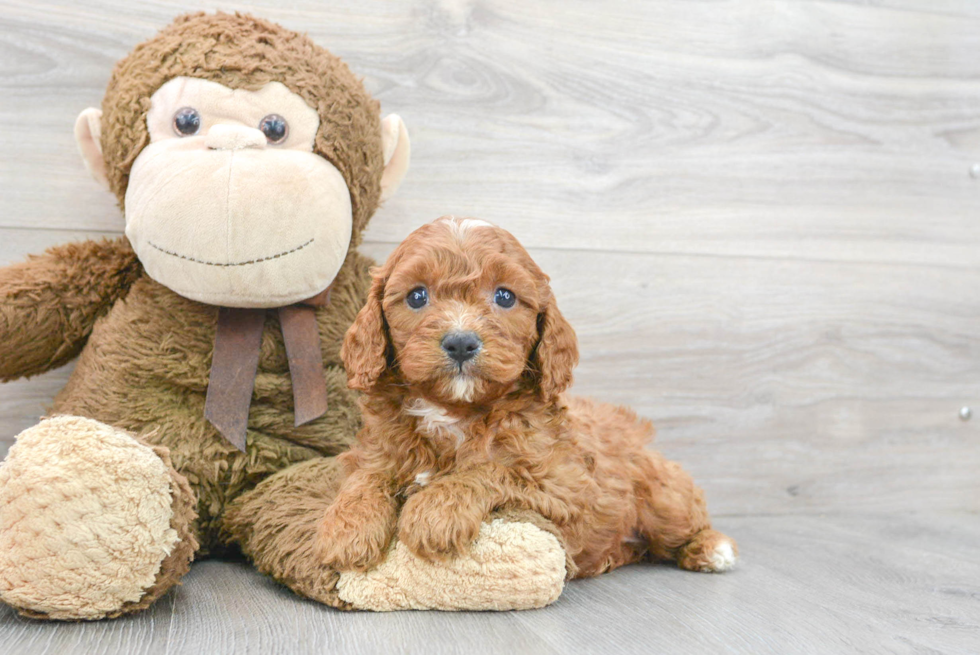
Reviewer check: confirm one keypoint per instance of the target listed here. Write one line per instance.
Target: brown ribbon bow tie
(236, 359)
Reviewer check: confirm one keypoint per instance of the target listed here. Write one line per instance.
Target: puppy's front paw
(436, 530)
(352, 540)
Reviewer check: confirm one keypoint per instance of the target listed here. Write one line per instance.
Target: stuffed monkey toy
(209, 399)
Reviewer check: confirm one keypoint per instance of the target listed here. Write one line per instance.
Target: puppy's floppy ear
(365, 349)
(556, 353)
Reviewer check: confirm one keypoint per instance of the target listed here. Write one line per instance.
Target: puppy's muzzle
(461, 346)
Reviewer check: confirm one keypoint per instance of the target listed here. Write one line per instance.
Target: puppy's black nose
(461, 346)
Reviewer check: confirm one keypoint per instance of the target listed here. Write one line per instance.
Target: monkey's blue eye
(417, 298)
(275, 128)
(504, 297)
(187, 121)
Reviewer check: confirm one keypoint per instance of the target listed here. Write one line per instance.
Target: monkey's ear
(88, 136)
(397, 149)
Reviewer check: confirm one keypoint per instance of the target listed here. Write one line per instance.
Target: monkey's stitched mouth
(245, 263)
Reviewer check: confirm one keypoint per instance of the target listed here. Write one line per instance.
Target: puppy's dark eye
(275, 128)
(504, 297)
(417, 298)
(187, 121)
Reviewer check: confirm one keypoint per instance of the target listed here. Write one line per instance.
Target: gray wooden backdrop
(761, 216)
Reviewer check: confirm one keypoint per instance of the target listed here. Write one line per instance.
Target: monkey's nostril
(461, 346)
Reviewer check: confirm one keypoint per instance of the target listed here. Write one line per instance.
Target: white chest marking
(422, 479)
(434, 421)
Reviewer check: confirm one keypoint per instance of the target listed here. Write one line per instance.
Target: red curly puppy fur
(464, 415)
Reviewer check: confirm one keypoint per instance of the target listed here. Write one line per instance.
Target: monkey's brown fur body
(145, 370)
(144, 360)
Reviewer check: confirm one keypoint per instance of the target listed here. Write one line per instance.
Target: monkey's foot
(93, 523)
(511, 565)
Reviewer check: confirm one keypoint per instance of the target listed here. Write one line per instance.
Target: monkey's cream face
(228, 204)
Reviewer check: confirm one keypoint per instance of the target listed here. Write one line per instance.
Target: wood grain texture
(759, 216)
(758, 127)
(807, 585)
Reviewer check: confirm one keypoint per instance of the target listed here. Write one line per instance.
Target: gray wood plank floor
(761, 219)
(836, 584)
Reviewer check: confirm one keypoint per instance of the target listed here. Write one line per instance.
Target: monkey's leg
(674, 519)
(517, 562)
(93, 523)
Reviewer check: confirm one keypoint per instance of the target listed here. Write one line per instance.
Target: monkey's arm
(49, 303)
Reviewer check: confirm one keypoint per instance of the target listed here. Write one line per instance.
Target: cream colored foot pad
(85, 515)
(510, 566)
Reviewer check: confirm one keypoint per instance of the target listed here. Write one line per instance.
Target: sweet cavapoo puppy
(464, 356)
